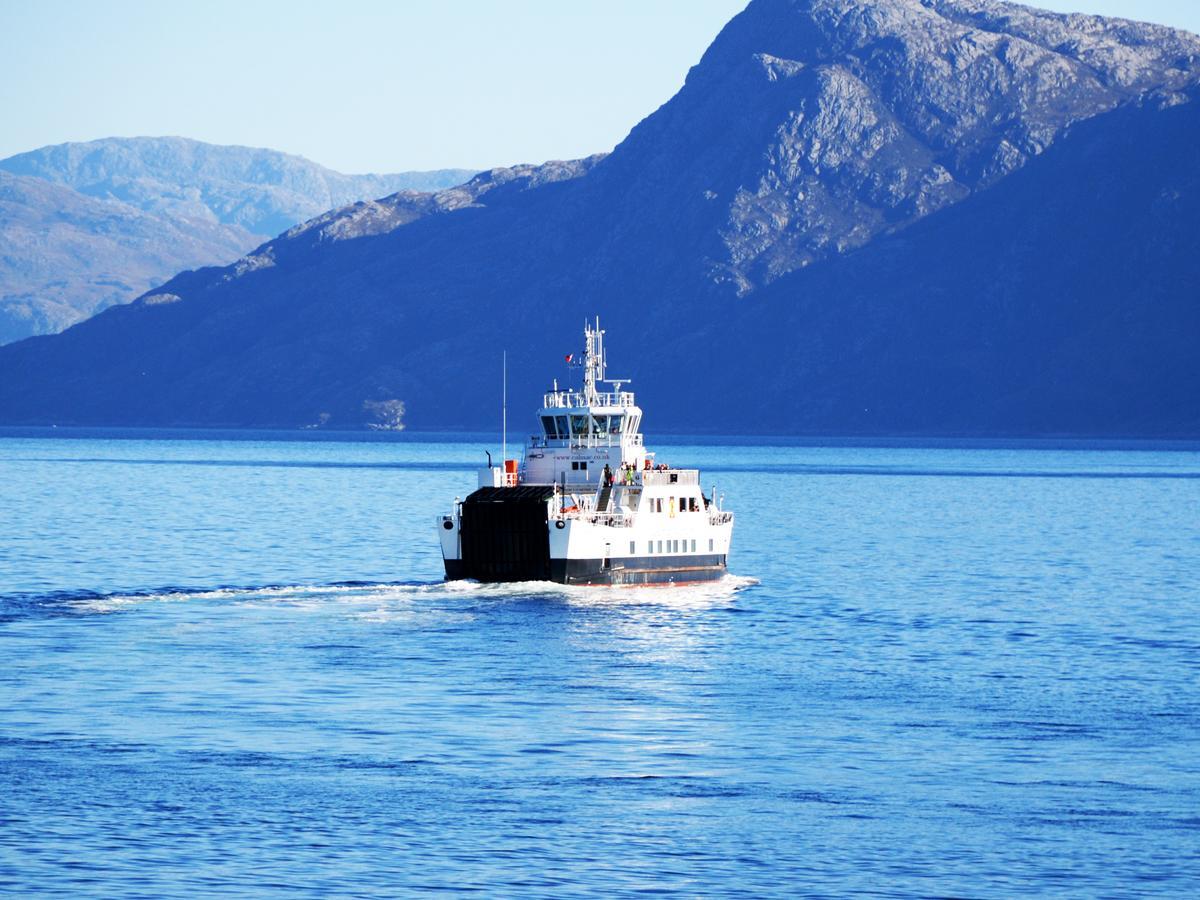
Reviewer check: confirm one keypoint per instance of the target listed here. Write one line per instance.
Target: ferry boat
(588, 504)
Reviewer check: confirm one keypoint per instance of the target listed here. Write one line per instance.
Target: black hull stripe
(642, 570)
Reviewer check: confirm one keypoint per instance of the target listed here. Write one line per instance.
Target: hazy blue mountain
(63, 256)
(263, 191)
(167, 204)
(903, 216)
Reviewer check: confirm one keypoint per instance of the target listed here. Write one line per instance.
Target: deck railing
(570, 399)
(670, 476)
(583, 442)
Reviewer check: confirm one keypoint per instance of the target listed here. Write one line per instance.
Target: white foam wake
(693, 595)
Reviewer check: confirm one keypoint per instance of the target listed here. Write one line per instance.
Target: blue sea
(229, 667)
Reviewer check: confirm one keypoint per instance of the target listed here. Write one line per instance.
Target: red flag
(570, 356)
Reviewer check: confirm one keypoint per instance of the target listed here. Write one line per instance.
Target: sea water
(229, 667)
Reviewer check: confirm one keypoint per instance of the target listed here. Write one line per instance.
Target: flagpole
(504, 418)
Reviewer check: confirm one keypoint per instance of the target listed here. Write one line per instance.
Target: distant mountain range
(890, 217)
(86, 225)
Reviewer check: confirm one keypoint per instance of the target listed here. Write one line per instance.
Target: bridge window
(549, 426)
(579, 426)
(564, 430)
(614, 424)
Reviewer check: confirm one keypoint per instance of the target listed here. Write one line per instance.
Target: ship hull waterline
(647, 571)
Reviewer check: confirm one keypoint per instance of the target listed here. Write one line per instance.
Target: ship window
(710, 546)
(579, 425)
(693, 545)
(632, 547)
(563, 430)
(548, 424)
(614, 424)
(660, 546)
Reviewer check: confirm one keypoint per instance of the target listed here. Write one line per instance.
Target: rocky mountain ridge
(856, 119)
(263, 191)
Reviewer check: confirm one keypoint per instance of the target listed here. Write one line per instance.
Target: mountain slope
(924, 217)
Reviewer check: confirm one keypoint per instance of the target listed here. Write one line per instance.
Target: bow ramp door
(505, 534)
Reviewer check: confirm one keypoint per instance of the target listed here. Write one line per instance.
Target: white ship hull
(506, 546)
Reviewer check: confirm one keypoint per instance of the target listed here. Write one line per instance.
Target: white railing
(540, 441)
(575, 399)
(670, 476)
(613, 518)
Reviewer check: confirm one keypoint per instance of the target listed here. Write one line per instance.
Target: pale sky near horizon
(371, 85)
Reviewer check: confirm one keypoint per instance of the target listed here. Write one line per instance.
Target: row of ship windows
(581, 426)
(686, 504)
(680, 546)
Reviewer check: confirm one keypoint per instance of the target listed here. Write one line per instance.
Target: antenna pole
(504, 413)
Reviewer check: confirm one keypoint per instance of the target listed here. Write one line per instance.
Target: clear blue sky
(370, 85)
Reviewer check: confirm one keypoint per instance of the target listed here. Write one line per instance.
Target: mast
(593, 361)
(504, 413)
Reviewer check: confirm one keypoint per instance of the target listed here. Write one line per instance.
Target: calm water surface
(229, 667)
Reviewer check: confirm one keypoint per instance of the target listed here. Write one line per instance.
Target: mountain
(263, 191)
(63, 255)
(903, 216)
(111, 218)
